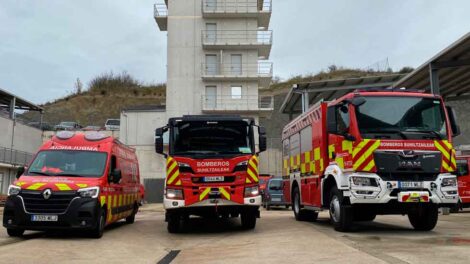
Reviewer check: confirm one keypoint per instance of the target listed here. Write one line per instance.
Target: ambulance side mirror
(116, 176)
(332, 125)
(20, 172)
(453, 121)
(262, 139)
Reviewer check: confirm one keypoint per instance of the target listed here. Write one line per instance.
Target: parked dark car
(43, 126)
(274, 194)
(71, 126)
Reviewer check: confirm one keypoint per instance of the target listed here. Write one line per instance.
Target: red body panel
(464, 183)
(126, 193)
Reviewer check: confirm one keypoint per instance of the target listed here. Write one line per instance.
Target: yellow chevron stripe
(35, 186)
(63, 187)
(247, 180)
(81, 185)
(170, 169)
(367, 154)
(253, 175)
(448, 145)
(178, 182)
(360, 146)
(20, 183)
(369, 166)
(173, 177)
(204, 193)
(224, 193)
(169, 160)
(441, 149)
(254, 166)
(446, 166)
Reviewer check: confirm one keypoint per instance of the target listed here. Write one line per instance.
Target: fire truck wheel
(248, 220)
(455, 209)
(268, 206)
(174, 223)
(424, 218)
(15, 232)
(341, 215)
(300, 215)
(97, 232)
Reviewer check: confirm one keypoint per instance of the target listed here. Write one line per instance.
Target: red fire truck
(463, 177)
(370, 153)
(212, 168)
(75, 181)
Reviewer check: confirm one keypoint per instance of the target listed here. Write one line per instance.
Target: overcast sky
(46, 45)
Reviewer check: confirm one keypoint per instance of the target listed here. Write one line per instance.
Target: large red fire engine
(212, 168)
(370, 153)
(463, 177)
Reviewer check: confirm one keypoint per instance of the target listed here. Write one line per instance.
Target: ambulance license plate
(408, 185)
(44, 218)
(214, 179)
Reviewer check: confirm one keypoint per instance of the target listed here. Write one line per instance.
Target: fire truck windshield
(204, 138)
(401, 118)
(68, 163)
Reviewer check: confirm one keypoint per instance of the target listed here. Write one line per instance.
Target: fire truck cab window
(342, 117)
(212, 138)
(462, 167)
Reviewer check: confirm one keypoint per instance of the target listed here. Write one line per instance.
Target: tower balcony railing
(160, 10)
(237, 37)
(248, 70)
(14, 157)
(237, 103)
(236, 6)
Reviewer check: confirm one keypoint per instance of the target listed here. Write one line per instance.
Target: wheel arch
(327, 184)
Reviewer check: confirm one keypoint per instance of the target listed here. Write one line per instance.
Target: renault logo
(47, 194)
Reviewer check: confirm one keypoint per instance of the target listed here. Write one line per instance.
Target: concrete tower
(217, 56)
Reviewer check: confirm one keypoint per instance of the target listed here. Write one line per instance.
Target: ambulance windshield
(68, 163)
(401, 118)
(203, 138)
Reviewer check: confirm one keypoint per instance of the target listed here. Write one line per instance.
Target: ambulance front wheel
(98, 231)
(424, 217)
(131, 218)
(15, 232)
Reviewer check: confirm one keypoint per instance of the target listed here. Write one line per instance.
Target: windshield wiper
(436, 134)
(388, 131)
(68, 175)
(40, 173)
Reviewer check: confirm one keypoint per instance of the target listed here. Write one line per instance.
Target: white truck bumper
(172, 204)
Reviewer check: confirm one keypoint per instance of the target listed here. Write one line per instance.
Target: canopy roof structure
(331, 89)
(12, 102)
(447, 74)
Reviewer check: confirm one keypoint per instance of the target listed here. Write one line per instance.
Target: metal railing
(260, 69)
(236, 6)
(237, 103)
(14, 157)
(237, 37)
(160, 10)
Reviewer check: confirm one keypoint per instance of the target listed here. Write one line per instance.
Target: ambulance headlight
(91, 192)
(174, 194)
(449, 182)
(13, 190)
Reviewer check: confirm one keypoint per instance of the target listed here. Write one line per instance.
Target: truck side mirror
(20, 172)
(262, 139)
(116, 176)
(453, 121)
(159, 139)
(332, 126)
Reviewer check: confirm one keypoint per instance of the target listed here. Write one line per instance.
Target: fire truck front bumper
(254, 201)
(369, 188)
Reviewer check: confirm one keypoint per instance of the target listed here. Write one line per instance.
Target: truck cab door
(463, 177)
(340, 141)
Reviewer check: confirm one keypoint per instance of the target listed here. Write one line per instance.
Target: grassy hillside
(105, 97)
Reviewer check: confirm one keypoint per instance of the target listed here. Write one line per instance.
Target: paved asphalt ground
(278, 238)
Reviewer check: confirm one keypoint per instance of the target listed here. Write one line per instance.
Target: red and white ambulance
(75, 181)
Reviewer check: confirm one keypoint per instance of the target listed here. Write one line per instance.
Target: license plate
(276, 199)
(413, 197)
(413, 185)
(214, 179)
(44, 218)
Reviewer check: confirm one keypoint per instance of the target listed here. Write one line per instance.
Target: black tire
(364, 216)
(174, 223)
(341, 215)
(15, 232)
(424, 218)
(98, 231)
(455, 209)
(248, 220)
(299, 213)
(131, 218)
(268, 206)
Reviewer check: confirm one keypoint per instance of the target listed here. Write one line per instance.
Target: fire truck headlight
(251, 191)
(449, 182)
(91, 192)
(13, 190)
(174, 194)
(242, 166)
(363, 181)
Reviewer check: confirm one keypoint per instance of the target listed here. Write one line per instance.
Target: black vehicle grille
(58, 202)
(408, 176)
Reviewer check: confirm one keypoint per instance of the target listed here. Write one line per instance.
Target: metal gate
(154, 190)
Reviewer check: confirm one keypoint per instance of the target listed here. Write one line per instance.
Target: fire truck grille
(57, 203)
(408, 176)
